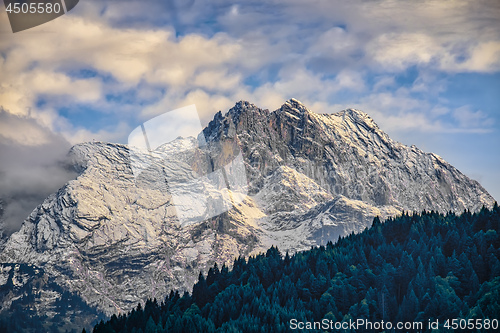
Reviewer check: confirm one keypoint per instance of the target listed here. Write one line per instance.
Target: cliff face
(115, 240)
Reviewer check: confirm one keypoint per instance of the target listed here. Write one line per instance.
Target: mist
(33, 164)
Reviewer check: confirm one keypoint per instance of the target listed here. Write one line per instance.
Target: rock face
(311, 178)
(2, 237)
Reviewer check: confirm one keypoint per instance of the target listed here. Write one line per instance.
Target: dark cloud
(29, 172)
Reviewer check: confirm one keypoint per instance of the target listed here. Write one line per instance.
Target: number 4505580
(32, 8)
(471, 324)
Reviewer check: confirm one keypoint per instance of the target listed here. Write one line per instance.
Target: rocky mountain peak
(294, 107)
(358, 117)
(239, 108)
(2, 235)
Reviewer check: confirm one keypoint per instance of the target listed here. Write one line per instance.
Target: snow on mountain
(115, 239)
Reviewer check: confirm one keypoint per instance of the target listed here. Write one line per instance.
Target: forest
(415, 268)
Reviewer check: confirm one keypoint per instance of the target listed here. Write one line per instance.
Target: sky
(427, 72)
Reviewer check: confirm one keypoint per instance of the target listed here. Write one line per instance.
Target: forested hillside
(413, 268)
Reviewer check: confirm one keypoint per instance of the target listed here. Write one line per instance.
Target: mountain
(2, 225)
(114, 239)
(1, 219)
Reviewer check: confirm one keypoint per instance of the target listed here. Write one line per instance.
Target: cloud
(19, 130)
(399, 112)
(450, 36)
(396, 52)
(217, 80)
(51, 83)
(469, 119)
(350, 80)
(15, 100)
(384, 82)
(483, 57)
(206, 104)
(113, 133)
(95, 64)
(32, 166)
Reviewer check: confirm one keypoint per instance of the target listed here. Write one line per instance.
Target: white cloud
(267, 97)
(350, 80)
(40, 82)
(217, 80)
(439, 110)
(41, 63)
(206, 104)
(234, 10)
(396, 51)
(399, 112)
(16, 101)
(429, 82)
(114, 133)
(483, 57)
(391, 102)
(32, 165)
(335, 41)
(467, 118)
(23, 131)
(384, 82)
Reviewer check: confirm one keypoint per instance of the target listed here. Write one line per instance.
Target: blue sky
(428, 72)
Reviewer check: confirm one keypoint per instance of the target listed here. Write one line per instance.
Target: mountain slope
(116, 240)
